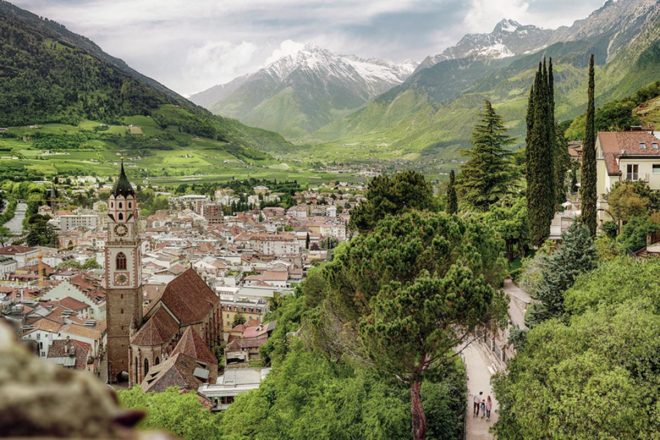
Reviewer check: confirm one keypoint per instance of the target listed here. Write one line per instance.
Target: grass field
(164, 156)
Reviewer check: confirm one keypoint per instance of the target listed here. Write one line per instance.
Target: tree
(509, 219)
(40, 232)
(634, 233)
(588, 376)
(540, 153)
(239, 319)
(391, 195)
(488, 174)
(180, 413)
(452, 200)
(5, 235)
(575, 256)
(629, 199)
(402, 296)
(588, 195)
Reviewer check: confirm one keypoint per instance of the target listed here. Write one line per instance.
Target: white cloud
(286, 48)
(216, 62)
(483, 15)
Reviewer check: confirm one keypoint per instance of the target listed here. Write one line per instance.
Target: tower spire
(123, 187)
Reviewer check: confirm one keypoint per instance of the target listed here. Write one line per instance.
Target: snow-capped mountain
(304, 91)
(509, 38)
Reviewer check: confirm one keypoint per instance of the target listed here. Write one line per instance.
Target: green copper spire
(123, 186)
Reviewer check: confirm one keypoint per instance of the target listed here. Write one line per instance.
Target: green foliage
(239, 319)
(487, 176)
(452, 200)
(559, 270)
(629, 199)
(634, 233)
(401, 296)
(509, 219)
(615, 115)
(391, 195)
(588, 194)
(615, 282)
(540, 157)
(180, 413)
(40, 233)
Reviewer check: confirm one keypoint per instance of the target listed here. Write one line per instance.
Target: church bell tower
(123, 275)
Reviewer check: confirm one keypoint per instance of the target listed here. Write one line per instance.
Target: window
(120, 205)
(121, 216)
(157, 360)
(656, 168)
(121, 261)
(642, 145)
(130, 205)
(146, 366)
(632, 171)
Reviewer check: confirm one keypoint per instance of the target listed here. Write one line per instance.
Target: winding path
(481, 365)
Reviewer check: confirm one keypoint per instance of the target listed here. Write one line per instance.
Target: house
(7, 265)
(70, 353)
(23, 255)
(625, 156)
(232, 383)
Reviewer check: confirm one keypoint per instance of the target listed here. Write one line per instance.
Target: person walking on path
(477, 402)
(483, 408)
(489, 407)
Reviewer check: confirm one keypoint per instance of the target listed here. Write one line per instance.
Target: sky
(191, 45)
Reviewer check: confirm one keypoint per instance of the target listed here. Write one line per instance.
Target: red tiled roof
(616, 144)
(159, 329)
(194, 346)
(72, 304)
(13, 250)
(62, 348)
(189, 298)
(176, 371)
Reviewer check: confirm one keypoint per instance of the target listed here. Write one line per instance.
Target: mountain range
(431, 111)
(305, 91)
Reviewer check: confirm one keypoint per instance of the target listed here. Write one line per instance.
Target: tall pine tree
(540, 155)
(452, 200)
(588, 184)
(488, 175)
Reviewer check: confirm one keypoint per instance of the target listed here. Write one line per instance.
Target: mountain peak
(507, 25)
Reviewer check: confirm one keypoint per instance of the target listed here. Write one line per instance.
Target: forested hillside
(49, 74)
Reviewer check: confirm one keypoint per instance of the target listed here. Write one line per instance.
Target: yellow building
(629, 155)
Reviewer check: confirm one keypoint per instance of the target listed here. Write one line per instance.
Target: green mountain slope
(51, 75)
(432, 113)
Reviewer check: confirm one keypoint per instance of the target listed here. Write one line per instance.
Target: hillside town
(201, 282)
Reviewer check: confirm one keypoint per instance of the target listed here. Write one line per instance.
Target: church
(171, 343)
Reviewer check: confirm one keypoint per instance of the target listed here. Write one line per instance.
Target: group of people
(481, 405)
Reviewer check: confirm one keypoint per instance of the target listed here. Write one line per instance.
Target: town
(186, 290)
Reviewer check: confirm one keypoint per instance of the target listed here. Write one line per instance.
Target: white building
(235, 381)
(71, 222)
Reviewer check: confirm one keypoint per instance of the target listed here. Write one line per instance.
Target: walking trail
(481, 365)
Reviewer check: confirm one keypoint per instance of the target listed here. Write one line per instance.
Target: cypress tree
(539, 175)
(548, 144)
(588, 187)
(452, 200)
(487, 176)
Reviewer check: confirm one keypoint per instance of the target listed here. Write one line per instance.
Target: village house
(23, 255)
(625, 156)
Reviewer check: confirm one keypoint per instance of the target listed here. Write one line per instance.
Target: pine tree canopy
(487, 176)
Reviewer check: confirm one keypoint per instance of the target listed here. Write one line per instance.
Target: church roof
(189, 298)
(123, 186)
(193, 345)
(159, 329)
(179, 370)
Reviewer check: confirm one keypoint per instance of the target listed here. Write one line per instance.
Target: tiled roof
(13, 250)
(159, 329)
(73, 304)
(616, 144)
(194, 346)
(83, 331)
(189, 298)
(63, 347)
(176, 371)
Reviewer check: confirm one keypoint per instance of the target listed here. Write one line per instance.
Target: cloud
(192, 44)
(216, 62)
(286, 48)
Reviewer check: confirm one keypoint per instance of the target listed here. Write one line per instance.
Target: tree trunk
(418, 416)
